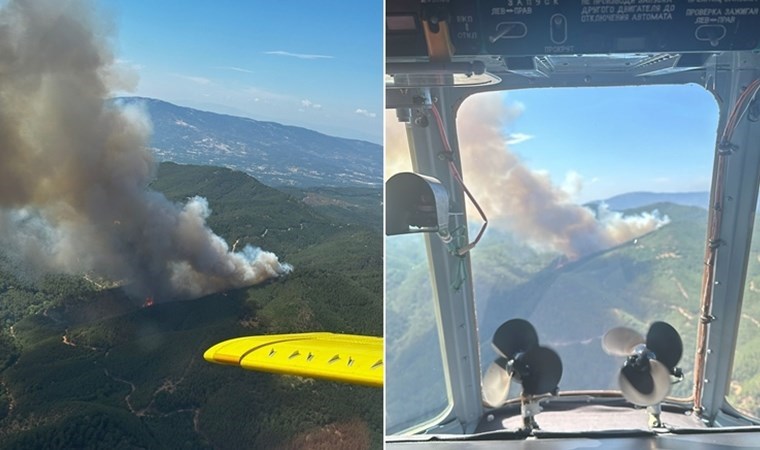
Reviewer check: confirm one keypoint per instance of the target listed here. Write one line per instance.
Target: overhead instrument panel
(560, 27)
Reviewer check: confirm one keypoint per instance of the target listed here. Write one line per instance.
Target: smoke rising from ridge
(516, 198)
(75, 168)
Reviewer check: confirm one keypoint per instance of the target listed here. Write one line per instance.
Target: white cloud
(198, 80)
(310, 104)
(516, 138)
(264, 95)
(365, 113)
(662, 180)
(298, 55)
(233, 68)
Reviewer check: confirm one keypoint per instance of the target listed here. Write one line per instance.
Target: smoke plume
(516, 198)
(75, 168)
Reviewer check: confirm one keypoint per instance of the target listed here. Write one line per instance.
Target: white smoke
(516, 198)
(75, 168)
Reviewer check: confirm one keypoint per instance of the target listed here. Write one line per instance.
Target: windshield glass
(415, 387)
(744, 392)
(597, 203)
(597, 206)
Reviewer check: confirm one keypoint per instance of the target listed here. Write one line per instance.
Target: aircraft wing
(331, 356)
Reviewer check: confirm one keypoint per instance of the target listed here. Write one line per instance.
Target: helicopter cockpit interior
(570, 342)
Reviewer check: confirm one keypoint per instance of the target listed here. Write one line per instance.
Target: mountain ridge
(638, 199)
(274, 153)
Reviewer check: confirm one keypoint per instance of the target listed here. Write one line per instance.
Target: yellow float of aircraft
(337, 357)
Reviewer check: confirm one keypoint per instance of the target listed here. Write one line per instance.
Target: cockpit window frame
(724, 75)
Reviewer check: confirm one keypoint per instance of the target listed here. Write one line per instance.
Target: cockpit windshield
(597, 203)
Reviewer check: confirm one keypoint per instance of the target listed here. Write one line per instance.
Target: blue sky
(289, 62)
(651, 138)
(605, 141)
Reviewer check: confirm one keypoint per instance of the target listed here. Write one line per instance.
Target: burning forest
(75, 170)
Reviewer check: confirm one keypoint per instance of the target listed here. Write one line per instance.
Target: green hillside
(350, 204)
(745, 385)
(84, 366)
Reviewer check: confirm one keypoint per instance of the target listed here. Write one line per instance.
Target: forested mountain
(275, 154)
(638, 199)
(572, 304)
(82, 365)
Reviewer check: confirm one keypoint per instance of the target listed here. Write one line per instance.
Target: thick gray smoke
(517, 198)
(75, 168)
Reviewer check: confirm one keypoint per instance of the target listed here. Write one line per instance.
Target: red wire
(734, 116)
(458, 177)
